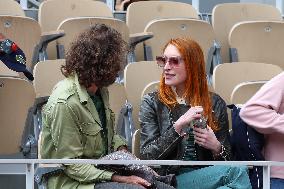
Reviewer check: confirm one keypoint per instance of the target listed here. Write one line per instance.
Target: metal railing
(27, 166)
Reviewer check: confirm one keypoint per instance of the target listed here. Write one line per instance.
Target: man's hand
(130, 180)
(122, 148)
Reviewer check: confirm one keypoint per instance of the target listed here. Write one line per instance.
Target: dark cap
(16, 61)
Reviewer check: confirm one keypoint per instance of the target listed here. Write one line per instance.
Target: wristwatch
(7, 46)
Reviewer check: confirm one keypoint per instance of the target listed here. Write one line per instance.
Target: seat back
(155, 10)
(24, 31)
(16, 97)
(11, 7)
(226, 76)
(139, 14)
(258, 41)
(52, 12)
(73, 26)
(245, 90)
(166, 29)
(46, 75)
(117, 98)
(136, 76)
(136, 143)
(225, 16)
(150, 87)
(5, 71)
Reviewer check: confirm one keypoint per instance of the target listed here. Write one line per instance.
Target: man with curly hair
(77, 120)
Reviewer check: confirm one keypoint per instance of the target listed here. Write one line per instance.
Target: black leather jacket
(159, 140)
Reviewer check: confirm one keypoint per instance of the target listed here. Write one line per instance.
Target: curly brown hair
(96, 56)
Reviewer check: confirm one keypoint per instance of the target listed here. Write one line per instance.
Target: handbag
(142, 171)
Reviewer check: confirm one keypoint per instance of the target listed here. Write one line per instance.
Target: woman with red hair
(184, 121)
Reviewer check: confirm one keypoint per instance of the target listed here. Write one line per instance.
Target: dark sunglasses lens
(174, 61)
(160, 61)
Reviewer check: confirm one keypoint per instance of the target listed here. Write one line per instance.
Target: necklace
(180, 100)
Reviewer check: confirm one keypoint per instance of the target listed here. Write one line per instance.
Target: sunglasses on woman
(173, 61)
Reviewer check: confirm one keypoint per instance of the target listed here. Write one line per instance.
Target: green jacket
(71, 129)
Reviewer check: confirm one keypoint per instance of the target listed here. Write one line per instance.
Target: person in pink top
(265, 112)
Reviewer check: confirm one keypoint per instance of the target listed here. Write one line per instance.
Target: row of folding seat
(162, 29)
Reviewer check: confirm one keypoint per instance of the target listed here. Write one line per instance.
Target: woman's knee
(238, 170)
(238, 177)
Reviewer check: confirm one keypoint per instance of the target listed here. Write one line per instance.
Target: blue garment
(276, 183)
(247, 145)
(217, 177)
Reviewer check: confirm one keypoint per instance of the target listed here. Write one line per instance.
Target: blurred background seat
(226, 15)
(139, 14)
(258, 41)
(52, 12)
(226, 76)
(136, 76)
(16, 97)
(245, 90)
(11, 7)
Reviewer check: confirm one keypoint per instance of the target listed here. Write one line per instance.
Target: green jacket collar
(81, 91)
(86, 100)
(84, 96)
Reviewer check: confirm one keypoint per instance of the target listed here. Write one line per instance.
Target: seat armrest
(40, 53)
(47, 37)
(134, 40)
(139, 37)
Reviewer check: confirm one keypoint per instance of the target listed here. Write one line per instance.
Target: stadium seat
(47, 74)
(11, 7)
(16, 97)
(245, 90)
(52, 12)
(150, 87)
(136, 76)
(258, 41)
(136, 143)
(5, 71)
(165, 29)
(24, 31)
(117, 98)
(73, 26)
(226, 76)
(225, 16)
(140, 13)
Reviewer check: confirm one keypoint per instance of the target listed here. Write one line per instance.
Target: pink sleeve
(264, 111)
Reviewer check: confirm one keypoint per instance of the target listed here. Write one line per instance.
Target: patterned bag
(142, 171)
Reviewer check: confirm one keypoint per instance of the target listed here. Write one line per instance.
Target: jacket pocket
(90, 128)
(91, 140)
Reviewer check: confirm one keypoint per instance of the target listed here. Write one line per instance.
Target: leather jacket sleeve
(220, 112)
(155, 144)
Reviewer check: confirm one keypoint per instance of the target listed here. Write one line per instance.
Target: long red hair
(196, 90)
